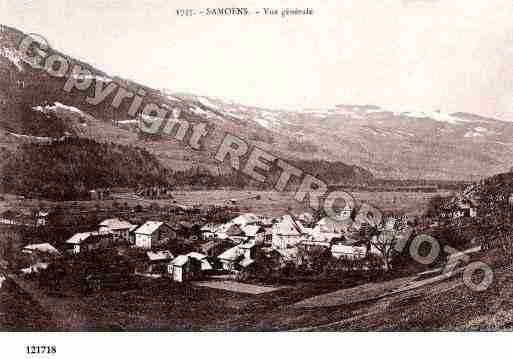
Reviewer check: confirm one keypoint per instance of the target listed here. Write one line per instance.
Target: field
(269, 203)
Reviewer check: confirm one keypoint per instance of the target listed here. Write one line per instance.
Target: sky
(446, 55)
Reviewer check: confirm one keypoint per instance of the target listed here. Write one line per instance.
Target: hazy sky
(450, 55)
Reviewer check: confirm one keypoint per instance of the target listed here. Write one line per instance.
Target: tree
(435, 205)
(314, 258)
(385, 242)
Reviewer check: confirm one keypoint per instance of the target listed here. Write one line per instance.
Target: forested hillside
(68, 169)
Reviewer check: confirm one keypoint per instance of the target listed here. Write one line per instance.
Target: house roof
(206, 265)
(159, 255)
(149, 227)
(196, 255)
(251, 230)
(116, 224)
(209, 227)
(202, 258)
(78, 238)
(315, 243)
(180, 260)
(231, 254)
(246, 262)
(345, 249)
(288, 226)
(245, 219)
(330, 225)
(306, 217)
(15, 214)
(42, 247)
(230, 229)
(247, 245)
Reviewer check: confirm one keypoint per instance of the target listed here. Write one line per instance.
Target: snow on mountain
(198, 111)
(391, 144)
(58, 107)
(472, 134)
(99, 78)
(128, 122)
(263, 122)
(29, 138)
(435, 115)
(205, 101)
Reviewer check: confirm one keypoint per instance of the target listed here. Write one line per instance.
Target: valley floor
(269, 203)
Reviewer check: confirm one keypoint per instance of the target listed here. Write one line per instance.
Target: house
(184, 268)
(12, 240)
(4, 264)
(348, 251)
(38, 257)
(99, 194)
(118, 227)
(93, 195)
(88, 241)
(131, 234)
(189, 229)
(246, 263)
(213, 247)
(245, 219)
(312, 255)
(42, 218)
(345, 213)
(152, 234)
(273, 260)
(307, 219)
(17, 218)
(231, 231)
(469, 206)
(239, 257)
(460, 207)
(9, 217)
(41, 248)
(202, 259)
(208, 231)
(390, 223)
(159, 261)
(328, 228)
(266, 222)
(287, 233)
(248, 249)
(3, 278)
(310, 244)
(257, 233)
(35, 268)
(231, 257)
(288, 256)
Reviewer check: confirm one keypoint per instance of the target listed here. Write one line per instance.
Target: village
(213, 246)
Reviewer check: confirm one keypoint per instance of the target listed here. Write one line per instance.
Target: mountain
(361, 141)
(35, 108)
(428, 145)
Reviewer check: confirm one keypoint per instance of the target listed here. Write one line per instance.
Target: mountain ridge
(396, 145)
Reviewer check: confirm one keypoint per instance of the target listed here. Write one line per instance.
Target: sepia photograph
(289, 166)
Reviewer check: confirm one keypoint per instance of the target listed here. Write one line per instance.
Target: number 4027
(41, 349)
